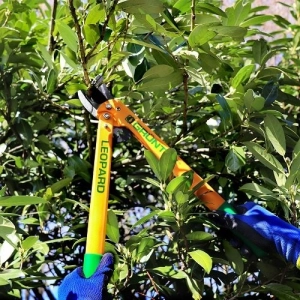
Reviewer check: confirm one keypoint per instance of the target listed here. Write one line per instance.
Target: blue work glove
(263, 229)
(76, 287)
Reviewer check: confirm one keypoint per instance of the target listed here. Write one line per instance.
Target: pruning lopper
(112, 114)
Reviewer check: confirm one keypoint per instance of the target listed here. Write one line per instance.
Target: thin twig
(193, 14)
(153, 283)
(185, 102)
(51, 41)
(81, 43)
(102, 34)
(87, 81)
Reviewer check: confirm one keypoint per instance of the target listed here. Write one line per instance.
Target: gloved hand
(263, 229)
(76, 287)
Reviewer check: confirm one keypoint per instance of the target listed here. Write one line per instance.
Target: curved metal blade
(87, 104)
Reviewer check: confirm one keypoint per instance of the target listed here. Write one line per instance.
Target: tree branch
(51, 41)
(102, 33)
(87, 80)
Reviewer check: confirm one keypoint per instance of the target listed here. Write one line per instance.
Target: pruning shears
(112, 113)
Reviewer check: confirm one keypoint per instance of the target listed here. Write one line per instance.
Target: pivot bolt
(108, 106)
(106, 116)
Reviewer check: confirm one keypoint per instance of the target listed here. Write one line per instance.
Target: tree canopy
(200, 76)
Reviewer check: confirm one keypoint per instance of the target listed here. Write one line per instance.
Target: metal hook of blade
(95, 95)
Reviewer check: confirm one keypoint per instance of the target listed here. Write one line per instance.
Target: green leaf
(167, 163)
(68, 35)
(145, 219)
(226, 111)
(58, 186)
(232, 31)
(6, 227)
(11, 274)
(237, 13)
(74, 103)
(256, 20)
(145, 248)
(91, 33)
(203, 259)
(281, 291)
(235, 158)
(199, 236)
(234, 258)
(142, 43)
(95, 15)
(270, 92)
(183, 5)
(177, 183)
(112, 229)
(259, 50)
(294, 171)
(29, 242)
(168, 216)
(211, 9)
(259, 191)
(264, 157)
(20, 200)
(296, 149)
(169, 272)
(152, 181)
(4, 282)
(45, 55)
(141, 6)
(25, 131)
(51, 81)
(160, 78)
(275, 134)
(200, 35)
(242, 75)
(253, 102)
(181, 198)
(153, 163)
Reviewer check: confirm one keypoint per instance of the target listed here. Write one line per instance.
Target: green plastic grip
(228, 208)
(90, 264)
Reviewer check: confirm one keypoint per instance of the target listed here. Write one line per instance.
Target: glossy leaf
(242, 75)
(235, 158)
(275, 134)
(259, 191)
(141, 6)
(167, 163)
(256, 20)
(112, 227)
(259, 50)
(20, 200)
(29, 242)
(231, 31)
(95, 15)
(199, 236)
(234, 258)
(68, 35)
(225, 107)
(202, 259)
(153, 163)
(177, 183)
(264, 157)
(58, 186)
(51, 81)
(200, 35)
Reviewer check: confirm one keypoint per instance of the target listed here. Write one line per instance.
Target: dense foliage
(201, 77)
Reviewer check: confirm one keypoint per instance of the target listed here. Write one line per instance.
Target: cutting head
(95, 95)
